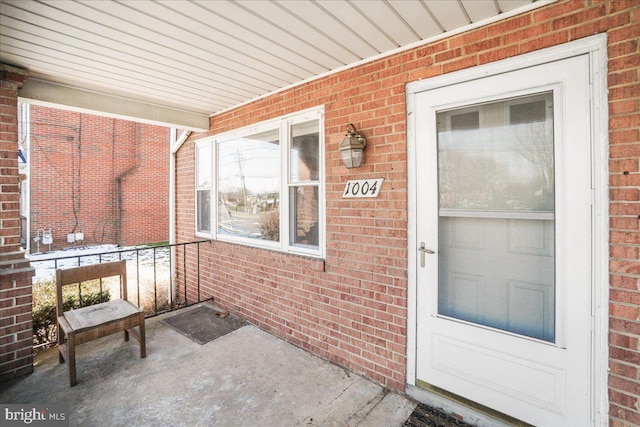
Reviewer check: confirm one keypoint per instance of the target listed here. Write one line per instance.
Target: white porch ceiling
(203, 57)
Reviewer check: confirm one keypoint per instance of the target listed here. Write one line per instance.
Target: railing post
(138, 274)
(184, 272)
(155, 284)
(172, 253)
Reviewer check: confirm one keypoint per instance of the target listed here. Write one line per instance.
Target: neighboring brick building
(103, 177)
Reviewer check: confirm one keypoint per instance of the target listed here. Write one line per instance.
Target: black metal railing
(161, 278)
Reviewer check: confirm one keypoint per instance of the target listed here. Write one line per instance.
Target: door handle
(423, 251)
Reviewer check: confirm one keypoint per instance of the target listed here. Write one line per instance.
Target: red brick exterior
(351, 307)
(15, 273)
(112, 175)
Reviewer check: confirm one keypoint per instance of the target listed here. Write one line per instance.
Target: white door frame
(596, 48)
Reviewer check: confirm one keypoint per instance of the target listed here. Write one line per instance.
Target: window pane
(465, 121)
(204, 211)
(203, 185)
(249, 186)
(204, 165)
(498, 158)
(528, 112)
(304, 216)
(305, 152)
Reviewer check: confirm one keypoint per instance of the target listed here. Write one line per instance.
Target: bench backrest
(69, 276)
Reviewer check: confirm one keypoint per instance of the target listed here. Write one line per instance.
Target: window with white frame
(268, 185)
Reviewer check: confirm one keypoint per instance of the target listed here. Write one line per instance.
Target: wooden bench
(99, 320)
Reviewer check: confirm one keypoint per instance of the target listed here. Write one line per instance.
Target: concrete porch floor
(245, 378)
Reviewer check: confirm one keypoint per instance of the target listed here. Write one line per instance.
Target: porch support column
(16, 337)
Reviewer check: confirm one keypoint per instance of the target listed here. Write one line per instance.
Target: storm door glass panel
(249, 186)
(496, 215)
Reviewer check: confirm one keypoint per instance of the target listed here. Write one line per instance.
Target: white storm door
(504, 235)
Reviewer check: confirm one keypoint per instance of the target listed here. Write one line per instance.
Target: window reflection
(304, 214)
(204, 165)
(203, 187)
(498, 157)
(204, 211)
(304, 160)
(249, 186)
(305, 152)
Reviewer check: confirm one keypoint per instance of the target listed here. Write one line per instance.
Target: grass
(149, 295)
(44, 305)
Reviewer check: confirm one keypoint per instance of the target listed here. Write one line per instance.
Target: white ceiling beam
(53, 95)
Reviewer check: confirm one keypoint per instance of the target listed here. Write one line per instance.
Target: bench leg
(71, 345)
(60, 344)
(126, 335)
(143, 341)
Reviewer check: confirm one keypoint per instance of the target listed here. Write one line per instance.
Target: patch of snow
(45, 264)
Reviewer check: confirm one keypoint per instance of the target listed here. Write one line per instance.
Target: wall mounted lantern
(352, 147)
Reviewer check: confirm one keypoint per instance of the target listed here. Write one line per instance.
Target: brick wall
(624, 265)
(15, 273)
(351, 307)
(105, 177)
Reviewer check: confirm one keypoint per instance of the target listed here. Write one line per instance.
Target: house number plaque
(362, 188)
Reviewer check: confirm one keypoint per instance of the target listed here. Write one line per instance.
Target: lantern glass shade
(352, 158)
(352, 151)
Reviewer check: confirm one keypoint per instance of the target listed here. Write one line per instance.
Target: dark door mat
(204, 323)
(426, 416)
